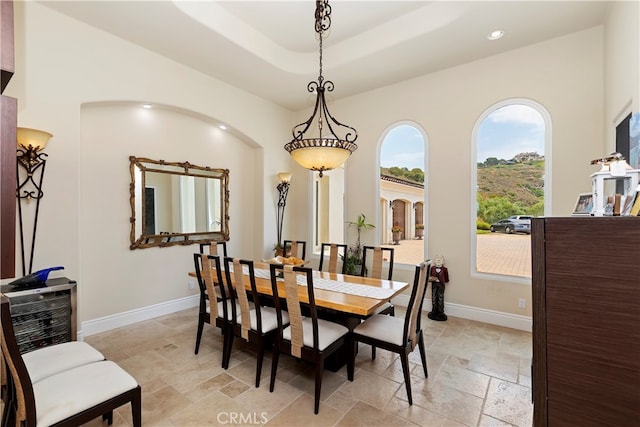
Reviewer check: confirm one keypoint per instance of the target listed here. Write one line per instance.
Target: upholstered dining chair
(400, 335)
(47, 361)
(296, 248)
(69, 397)
(254, 323)
(377, 256)
(213, 248)
(214, 307)
(336, 250)
(307, 338)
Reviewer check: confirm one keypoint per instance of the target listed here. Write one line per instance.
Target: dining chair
(213, 305)
(70, 397)
(399, 335)
(377, 263)
(336, 250)
(296, 248)
(213, 248)
(307, 338)
(51, 360)
(260, 328)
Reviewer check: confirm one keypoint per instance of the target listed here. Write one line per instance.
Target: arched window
(402, 190)
(511, 165)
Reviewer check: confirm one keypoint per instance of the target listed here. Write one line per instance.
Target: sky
(511, 130)
(504, 133)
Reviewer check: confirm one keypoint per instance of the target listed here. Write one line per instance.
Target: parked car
(527, 217)
(511, 225)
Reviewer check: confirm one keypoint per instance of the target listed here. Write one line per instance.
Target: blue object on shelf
(34, 280)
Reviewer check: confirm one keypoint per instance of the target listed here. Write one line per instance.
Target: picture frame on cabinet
(584, 205)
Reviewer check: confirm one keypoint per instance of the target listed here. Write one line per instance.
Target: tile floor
(479, 375)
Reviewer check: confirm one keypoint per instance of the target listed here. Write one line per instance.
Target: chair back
(209, 273)
(239, 279)
(214, 248)
(335, 251)
(294, 308)
(414, 308)
(25, 404)
(377, 261)
(296, 248)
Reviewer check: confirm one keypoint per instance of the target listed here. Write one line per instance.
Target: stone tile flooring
(479, 375)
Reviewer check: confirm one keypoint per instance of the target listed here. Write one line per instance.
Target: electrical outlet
(522, 303)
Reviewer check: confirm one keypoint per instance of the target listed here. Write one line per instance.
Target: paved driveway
(498, 253)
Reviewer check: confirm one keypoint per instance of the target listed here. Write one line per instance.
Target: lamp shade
(284, 176)
(32, 138)
(320, 158)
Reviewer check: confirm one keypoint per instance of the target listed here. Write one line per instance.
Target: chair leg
(136, 408)
(373, 352)
(199, 334)
(260, 357)
(274, 366)
(423, 355)
(404, 358)
(108, 417)
(227, 346)
(319, 371)
(351, 356)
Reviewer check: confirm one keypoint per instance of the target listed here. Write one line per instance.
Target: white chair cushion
(328, 332)
(229, 313)
(47, 361)
(67, 393)
(382, 327)
(269, 319)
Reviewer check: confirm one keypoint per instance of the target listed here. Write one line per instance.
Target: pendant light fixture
(321, 143)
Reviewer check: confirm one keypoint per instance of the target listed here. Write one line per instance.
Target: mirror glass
(177, 203)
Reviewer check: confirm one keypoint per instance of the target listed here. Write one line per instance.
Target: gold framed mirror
(177, 203)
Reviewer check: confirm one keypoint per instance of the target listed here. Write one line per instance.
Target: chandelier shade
(321, 143)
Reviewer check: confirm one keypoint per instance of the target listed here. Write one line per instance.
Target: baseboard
(508, 320)
(119, 320)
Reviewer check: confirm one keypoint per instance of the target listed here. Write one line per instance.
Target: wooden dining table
(341, 306)
(344, 302)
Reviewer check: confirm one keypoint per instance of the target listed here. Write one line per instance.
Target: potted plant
(353, 259)
(419, 230)
(396, 230)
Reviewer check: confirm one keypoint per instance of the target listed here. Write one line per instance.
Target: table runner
(337, 286)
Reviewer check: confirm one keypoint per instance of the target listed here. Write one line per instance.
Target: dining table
(342, 298)
(353, 296)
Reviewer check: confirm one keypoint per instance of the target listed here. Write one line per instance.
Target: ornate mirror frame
(195, 201)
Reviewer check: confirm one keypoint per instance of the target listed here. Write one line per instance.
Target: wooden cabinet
(586, 321)
(8, 123)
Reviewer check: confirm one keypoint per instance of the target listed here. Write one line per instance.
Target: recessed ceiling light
(495, 35)
(223, 127)
(146, 106)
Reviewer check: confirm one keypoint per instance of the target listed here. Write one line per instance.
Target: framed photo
(584, 204)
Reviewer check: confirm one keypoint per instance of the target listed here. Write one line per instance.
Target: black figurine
(438, 276)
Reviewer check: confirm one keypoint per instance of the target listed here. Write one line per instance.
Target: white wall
(621, 67)
(77, 82)
(68, 75)
(564, 75)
